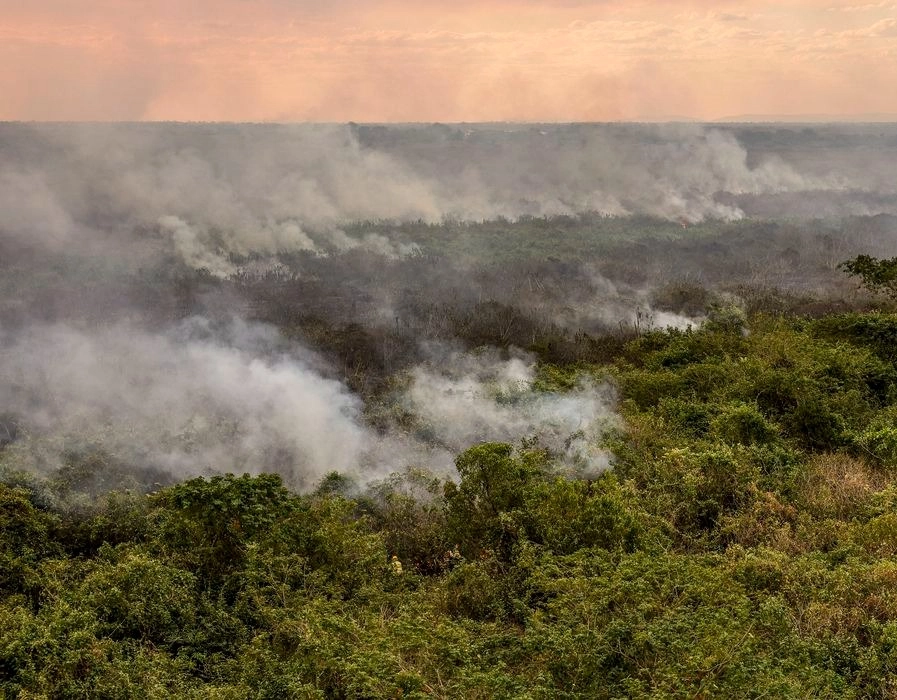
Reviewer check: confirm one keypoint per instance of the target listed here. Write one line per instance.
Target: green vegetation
(742, 546)
(878, 275)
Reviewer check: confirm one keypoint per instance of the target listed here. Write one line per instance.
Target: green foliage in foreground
(743, 546)
(877, 275)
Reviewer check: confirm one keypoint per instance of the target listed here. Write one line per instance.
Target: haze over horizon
(394, 61)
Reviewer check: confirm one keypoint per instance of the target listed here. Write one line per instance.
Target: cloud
(392, 61)
(730, 17)
(884, 5)
(883, 28)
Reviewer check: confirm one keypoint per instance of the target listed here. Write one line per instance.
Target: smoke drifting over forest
(304, 299)
(183, 398)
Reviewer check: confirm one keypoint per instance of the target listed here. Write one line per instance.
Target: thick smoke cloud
(186, 401)
(223, 190)
(466, 398)
(198, 399)
(674, 172)
(215, 190)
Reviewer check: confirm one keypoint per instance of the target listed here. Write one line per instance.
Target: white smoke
(372, 243)
(613, 304)
(196, 399)
(467, 398)
(185, 400)
(222, 190)
(193, 251)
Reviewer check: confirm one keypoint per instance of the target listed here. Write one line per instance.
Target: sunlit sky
(446, 60)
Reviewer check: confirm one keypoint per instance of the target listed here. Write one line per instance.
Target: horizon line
(730, 120)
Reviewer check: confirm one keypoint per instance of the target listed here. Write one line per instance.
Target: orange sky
(445, 60)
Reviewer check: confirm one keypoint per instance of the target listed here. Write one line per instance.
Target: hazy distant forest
(454, 411)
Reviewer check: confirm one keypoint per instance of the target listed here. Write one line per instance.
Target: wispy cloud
(360, 60)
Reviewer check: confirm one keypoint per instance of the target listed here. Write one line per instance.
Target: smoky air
(182, 300)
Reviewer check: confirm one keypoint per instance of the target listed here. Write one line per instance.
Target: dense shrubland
(741, 546)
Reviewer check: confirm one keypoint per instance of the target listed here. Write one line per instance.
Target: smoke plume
(466, 398)
(162, 285)
(187, 401)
